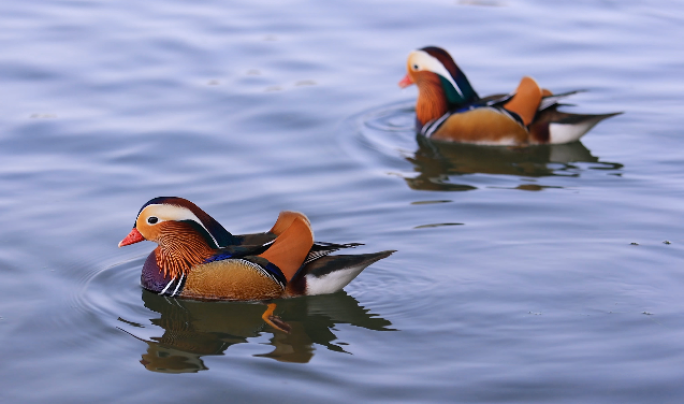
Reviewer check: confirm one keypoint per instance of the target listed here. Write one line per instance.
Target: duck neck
(432, 102)
(178, 252)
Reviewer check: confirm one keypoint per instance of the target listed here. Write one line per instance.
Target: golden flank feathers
(483, 126)
(231, 280)
(292, 246)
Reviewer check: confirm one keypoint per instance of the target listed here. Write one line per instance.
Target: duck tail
(331, 273)
(556, 127)
(292, 244)
(526, 100)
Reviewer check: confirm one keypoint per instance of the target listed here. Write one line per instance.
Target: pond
(522, 274)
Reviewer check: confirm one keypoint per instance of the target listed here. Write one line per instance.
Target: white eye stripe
(431, 63)
(164, 212)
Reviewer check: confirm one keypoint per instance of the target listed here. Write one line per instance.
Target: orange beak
(406, 81)
(133, 237)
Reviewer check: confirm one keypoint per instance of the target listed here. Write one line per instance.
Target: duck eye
(415, 67)
(152, 220)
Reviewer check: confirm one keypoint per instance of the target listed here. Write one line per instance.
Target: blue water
(543, 274)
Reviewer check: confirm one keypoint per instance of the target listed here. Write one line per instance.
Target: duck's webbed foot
(275, 321)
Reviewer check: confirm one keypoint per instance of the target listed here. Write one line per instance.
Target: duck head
(186, 235)
(442, 86)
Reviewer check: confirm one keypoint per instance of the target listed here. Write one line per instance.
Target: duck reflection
(437, 161)
(193, 329)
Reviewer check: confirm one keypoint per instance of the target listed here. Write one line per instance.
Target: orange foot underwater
(197, 258)
(449, 109)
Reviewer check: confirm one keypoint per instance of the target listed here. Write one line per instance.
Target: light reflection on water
(193, 329)
(437, 163)
(179, 332)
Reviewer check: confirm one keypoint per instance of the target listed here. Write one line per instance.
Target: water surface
(522, 275)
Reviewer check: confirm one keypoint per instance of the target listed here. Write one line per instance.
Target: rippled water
(541, 274)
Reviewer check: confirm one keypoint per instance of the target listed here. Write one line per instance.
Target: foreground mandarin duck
(449, 109)
(197, 258)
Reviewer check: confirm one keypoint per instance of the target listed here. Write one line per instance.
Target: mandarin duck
(449, 109)
(197, 258)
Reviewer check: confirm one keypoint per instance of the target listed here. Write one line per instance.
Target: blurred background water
(543, 274)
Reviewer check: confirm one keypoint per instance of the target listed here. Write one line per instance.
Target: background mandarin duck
(197, 258)
(449, 109)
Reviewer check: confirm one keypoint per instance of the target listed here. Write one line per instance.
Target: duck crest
(220, 235)
(464, 94)
(180, 248)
